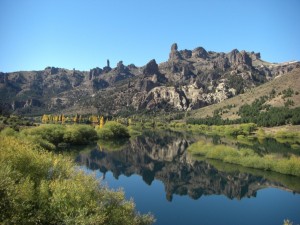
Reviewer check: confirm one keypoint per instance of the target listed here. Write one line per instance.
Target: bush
(39, 187)
(112, 130)
(50, 136)
(8, 132)
(49, 132)
(79, 134)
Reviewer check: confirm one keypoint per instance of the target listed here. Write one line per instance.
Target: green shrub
(79, 134)
(112, 130)
(8, 132)
(287, 134)
(51, 135)
(261, 133)
(39, 187)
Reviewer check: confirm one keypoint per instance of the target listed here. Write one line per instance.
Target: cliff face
(190, 79)
(164, 157)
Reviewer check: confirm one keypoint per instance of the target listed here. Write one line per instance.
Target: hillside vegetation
(278, 88)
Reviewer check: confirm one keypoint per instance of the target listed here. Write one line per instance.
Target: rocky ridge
(190, 79)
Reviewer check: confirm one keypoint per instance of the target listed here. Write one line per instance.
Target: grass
(247, 158)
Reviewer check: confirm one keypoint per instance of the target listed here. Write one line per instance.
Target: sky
(83, 34)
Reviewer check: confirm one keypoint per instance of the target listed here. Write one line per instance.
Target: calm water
(158, 173)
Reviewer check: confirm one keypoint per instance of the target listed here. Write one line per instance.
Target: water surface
(158, 173)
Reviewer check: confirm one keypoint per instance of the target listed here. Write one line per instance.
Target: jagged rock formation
(190, 79)
(164, 157)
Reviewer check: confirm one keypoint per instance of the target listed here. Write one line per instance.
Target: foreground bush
(113, 130)
(38, 187)
(247, 157)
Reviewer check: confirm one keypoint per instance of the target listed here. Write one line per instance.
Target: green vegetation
(287, 93)
(257, 112)
(39, 187)
(113, 130)
(14, 122)
(222, 130)
(248, 158)
(50, 136)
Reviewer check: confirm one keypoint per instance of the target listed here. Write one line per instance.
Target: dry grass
(287, 128)
(289, 80)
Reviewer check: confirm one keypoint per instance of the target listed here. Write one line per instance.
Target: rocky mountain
(190, 79)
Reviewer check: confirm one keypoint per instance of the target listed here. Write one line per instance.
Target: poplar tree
(101, 124)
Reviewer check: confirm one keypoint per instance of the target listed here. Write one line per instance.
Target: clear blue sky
(82, 34)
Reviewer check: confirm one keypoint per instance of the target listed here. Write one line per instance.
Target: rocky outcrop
(151, 68)
(235, 58)
(255, 56)
(51, 70)
(99, 84)
(200, 53)
(174, 54)
(24, 104)
(145, 85)
(186, 54)
(94, 73)
(120, 67)
(161, 97)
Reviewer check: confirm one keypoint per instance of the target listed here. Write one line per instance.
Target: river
(163, 178)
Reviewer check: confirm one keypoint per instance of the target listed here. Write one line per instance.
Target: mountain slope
(278, 87)
(189, 80)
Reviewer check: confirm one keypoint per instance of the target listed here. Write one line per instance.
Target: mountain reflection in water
(163, 156)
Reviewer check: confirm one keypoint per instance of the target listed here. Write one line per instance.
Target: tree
(45, 118)
(94, 119)
(101, 124)
(63, 118)
(76, 118)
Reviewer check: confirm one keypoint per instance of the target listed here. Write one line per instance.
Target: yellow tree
(45, 118)
(101, 124)
(63, 118)
(56, 118)
(94, 119)
(76, 118)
